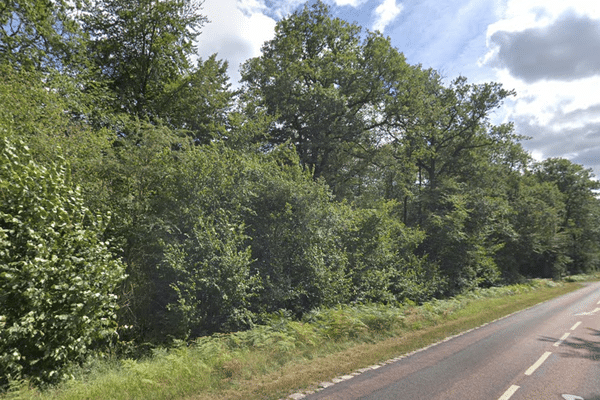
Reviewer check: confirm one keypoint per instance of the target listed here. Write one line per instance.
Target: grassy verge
(270, 362)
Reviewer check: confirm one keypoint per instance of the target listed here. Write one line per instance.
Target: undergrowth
(582, 277)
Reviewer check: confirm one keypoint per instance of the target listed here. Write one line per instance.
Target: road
(550, 351)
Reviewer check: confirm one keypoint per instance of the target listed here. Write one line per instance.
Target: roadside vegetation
(286, 355)
(148, 210)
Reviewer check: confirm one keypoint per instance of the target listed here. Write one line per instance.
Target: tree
(213, 237)
(439, 160)
(28, 107)
(578, 217)
(295, 229)
(57, 276)
(381, 257)
(447, 126)
(141, 47)
(199, 102)
(39, 33)
(327, 89)
(211, 277)
(536, 248)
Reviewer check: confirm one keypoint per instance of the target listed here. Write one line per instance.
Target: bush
(211, 277)
(382, 264)
(295, 228)
(57, 278)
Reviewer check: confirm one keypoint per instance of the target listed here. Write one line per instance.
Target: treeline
(143, 199)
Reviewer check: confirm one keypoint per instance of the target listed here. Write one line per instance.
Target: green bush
(211, 277)
(295, 237)
(382, 263)
(57, 278)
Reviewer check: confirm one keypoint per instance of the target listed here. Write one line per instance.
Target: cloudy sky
(547, 50)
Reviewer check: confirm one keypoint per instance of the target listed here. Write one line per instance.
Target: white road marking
(537, 364)
(508, 394)
(598, 302)
(562, 339)
(576, 325)
(572, 397)
(587, 312)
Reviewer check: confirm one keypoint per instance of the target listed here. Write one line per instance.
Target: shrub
(57, 277)
(211, 277)
(382, 263)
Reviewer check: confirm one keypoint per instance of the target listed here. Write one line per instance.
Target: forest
(144, 199)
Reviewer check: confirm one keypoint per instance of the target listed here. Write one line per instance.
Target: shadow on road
(574, 347)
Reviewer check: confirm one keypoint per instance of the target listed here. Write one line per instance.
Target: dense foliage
(337, 174)
(57, 277)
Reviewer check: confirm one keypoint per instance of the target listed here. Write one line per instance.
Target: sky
(548, 51)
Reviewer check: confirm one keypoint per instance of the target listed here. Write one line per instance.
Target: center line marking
(576, 325)
(562, 339)
(537, 364)
(589, 312)
(511, 390)
(598, 302)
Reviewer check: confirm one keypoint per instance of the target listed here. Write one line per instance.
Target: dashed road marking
(562, 339)
(508, 394)
(589, 312)
(576, 325)
(537, 364)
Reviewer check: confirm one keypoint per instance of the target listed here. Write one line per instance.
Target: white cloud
(236, 32)
(386, 13)
(250, 7)
(545, 50)
(352, 3)
(519, 15)
(561, 117)
(568, 49)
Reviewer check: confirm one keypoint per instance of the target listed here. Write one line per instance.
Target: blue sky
(547, 50)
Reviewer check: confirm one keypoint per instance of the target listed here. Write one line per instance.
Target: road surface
(550, 351)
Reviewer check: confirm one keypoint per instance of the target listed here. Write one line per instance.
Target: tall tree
(199, 102)
(142, 46)
(537, 246)
(443, 129)
(445, 142)
(579, 215)
(327, 88)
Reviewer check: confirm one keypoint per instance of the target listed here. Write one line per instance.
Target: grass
(270, 362)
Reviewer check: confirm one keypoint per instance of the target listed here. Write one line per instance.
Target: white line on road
(511, 390)
(537, 364)
(588, 312)
(598, 302)
(576, 325)
(562, 339)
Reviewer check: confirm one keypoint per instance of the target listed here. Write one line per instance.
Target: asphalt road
(550, 351)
